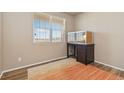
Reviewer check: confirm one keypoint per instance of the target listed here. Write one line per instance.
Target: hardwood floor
(78, 71)
(20, 74)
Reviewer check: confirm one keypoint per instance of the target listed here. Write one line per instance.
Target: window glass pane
(56, 26)
(41, 30)
(44, 35)
(56, 35)
(36, 28)
(36, 24)
(36, 33)
(44, 24)
(57, 30)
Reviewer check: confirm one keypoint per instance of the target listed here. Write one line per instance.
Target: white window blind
(48, 28)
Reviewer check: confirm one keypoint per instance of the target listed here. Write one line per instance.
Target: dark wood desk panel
(83, 53)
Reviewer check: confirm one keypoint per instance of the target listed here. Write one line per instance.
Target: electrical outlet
(19, 59)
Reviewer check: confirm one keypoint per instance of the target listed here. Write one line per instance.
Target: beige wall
(17, 35)
(0, 42)
(85, 21)
(108, 35)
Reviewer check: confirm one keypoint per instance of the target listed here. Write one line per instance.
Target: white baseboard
(109, 65)
(8, 70)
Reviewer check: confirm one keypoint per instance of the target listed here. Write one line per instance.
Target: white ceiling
(73, 13)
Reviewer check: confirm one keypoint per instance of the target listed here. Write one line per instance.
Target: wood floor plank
(79, 72)
(75, 71)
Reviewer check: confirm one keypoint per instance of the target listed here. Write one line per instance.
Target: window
(48, 28)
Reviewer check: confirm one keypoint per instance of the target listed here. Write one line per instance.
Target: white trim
(8, 70)
(109, 65)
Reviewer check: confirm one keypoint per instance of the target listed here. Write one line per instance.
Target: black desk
(83, 53)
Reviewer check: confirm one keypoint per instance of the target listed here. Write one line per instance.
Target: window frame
(51, 41)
